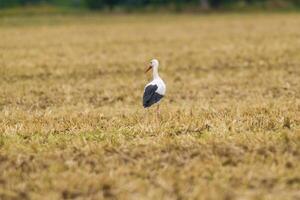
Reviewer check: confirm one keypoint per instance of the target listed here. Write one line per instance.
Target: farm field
(72, 124)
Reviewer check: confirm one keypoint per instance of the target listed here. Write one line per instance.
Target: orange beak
(148, 68)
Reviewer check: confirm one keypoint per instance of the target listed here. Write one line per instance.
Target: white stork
(156, 89)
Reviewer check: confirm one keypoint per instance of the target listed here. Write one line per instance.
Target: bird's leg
(157, 114)
(149, 120)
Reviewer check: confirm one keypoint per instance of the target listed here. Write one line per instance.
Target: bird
(156, 89)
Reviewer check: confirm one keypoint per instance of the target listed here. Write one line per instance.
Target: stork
(156, 89)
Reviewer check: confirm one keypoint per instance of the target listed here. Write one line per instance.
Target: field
(72, 124)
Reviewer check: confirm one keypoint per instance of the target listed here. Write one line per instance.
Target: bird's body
(154, 92)
(156, 89)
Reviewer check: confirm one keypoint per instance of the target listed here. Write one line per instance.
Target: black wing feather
(150, 97)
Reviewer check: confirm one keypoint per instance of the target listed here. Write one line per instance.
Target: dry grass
(72, 124)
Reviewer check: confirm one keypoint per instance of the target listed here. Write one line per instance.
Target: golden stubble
(72, 123)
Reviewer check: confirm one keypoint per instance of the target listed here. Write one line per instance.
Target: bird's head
(153, 64)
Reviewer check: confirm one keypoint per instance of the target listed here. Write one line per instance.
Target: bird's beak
(148, 68)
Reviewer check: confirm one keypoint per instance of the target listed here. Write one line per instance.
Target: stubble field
(72, 124)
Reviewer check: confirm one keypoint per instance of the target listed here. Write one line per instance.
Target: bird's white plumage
(161, 86)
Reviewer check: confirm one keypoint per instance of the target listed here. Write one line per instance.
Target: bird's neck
(155, 73)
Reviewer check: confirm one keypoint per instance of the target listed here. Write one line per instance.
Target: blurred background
(150, 5)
